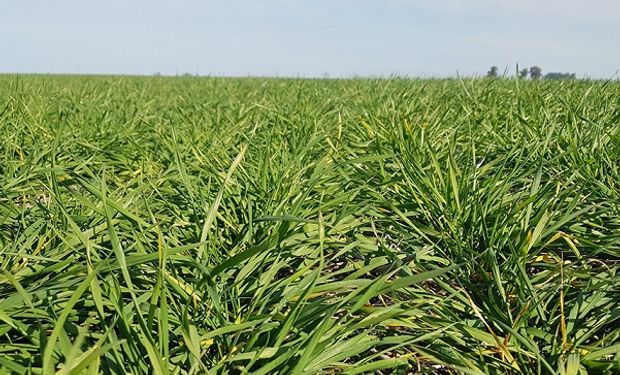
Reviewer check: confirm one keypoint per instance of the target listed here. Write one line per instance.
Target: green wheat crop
(273, 226)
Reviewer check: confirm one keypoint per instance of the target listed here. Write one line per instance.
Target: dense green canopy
(207, 225)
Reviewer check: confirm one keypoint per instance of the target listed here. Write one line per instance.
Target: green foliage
(229, 226)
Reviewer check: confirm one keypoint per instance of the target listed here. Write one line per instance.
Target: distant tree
(523, 73)
(560, 76)
(535, 72)
(492, 73)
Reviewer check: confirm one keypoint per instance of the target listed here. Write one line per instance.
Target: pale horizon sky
(311, 38)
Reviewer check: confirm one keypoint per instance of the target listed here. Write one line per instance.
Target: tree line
(534, 72)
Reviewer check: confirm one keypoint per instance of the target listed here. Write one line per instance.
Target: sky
(310, 38)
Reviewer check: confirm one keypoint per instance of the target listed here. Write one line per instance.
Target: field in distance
(287, 226)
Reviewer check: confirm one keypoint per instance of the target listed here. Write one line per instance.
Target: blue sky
(309, 37)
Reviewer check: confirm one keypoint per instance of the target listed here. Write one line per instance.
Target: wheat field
(294, 226)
